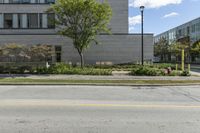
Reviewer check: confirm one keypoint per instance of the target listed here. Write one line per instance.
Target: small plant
(147, 71)
(175, 73)
(185, 73)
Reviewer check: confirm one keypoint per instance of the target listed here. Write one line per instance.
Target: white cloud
(134, 21)
(131, 29)
(153, 3)
(173, 14)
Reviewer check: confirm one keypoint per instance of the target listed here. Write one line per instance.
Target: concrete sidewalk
(195, 73)
(89, 77)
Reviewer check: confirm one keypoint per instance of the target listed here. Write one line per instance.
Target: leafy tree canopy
(82, 20)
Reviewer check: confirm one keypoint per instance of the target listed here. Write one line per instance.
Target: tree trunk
(82, 59)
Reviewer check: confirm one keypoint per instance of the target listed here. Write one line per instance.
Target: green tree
(161, 48)
(176, 49)
(81, 20)
(195, 50)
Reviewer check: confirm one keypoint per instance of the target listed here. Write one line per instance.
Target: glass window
(188, 30)
(26, 1)
(8, 22)
(198, 26)
(58, 50)
(1, 20)
(49, 1)
(193, 28)
(179, 32)
(51, 18)
(15, 21)
(42, 1)
(44, 21)
(14, 1)
(22, 20)
(33, 20)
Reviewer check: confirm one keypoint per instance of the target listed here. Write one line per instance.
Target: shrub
(147, 71)
(165, 66)
(185, 73)
(58, 68)
(175, 73)
(41, 70)
(61, 68)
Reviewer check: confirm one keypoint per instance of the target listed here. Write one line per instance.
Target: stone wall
(117, 48)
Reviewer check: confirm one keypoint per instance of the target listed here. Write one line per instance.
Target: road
(99, 109)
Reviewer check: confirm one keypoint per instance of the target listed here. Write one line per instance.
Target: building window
(14, 1)
(50, 20)
(22, 20)
(30, 20)
(33, 20)
(58, 51)
(8, 22)
(180, 33)
(193, 28)
(188, 30)
(198, 26)
(25, 1)
(1, 20)
(50, 1)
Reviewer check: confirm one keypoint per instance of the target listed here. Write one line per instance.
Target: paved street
(99, 109)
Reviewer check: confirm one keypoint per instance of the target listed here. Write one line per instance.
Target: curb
(98, 84)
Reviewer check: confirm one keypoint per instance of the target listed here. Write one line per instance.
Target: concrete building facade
(25, 22)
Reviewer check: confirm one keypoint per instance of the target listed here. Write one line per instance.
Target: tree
(82, 21)
(176, 49)
(13, 51)
(161, 48)
(40, 51)
(195, 49)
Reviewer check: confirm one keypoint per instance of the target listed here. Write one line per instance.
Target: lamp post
(142, 33)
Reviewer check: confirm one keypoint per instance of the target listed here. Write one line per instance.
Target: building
(189, 30)
(25, 22)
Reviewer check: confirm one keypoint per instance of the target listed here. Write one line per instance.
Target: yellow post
(176, 67)
(188, 67)
(183, 60)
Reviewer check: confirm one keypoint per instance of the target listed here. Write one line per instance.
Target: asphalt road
(99, 109)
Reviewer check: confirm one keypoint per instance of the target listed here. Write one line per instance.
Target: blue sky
(161, 15)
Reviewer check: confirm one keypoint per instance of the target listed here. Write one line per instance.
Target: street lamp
(142, 38)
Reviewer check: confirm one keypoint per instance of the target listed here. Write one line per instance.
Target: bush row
(150, 71)
(129, 67)
(67, 69)
(61, 68)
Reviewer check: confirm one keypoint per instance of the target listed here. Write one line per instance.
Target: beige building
(25, 22)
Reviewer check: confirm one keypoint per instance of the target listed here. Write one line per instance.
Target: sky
(161, 15)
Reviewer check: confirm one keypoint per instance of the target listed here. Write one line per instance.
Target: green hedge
(150, 71)
(147, 71)
(61, 68)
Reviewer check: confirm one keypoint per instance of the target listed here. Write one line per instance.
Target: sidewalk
(195, 73)
(88, 77)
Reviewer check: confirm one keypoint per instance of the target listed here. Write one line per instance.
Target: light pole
(142, 33)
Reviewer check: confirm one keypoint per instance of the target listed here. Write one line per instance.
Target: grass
(25, 81)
